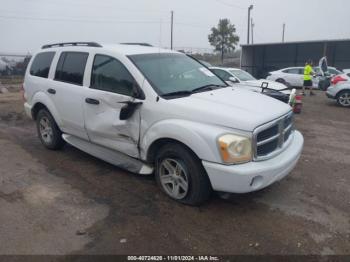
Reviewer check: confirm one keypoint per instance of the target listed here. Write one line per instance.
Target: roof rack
(91, 44)
(142, 44)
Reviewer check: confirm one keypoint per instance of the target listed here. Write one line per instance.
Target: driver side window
(108, 74)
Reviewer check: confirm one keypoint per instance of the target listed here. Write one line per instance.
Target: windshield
(242, 75)
(169, 73)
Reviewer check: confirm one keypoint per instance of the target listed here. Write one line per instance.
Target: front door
(111, 86)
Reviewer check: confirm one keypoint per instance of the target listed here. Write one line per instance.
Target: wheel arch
(36, 108)
(42, 101)
(186, 133)
(160, 142)
(342, 91)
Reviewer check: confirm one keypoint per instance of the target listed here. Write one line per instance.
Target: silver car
(340, 92)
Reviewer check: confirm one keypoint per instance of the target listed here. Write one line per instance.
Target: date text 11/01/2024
(173, 258)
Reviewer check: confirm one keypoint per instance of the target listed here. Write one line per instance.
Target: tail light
(335, 80)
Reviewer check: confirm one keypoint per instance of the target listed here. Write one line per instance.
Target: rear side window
(71, 67)
(41, 64)
(296, 71)
(108, 74)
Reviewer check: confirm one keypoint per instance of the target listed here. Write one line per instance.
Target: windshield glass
(169, 73)
(242, 75)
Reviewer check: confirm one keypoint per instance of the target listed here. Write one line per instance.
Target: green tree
(223, 37)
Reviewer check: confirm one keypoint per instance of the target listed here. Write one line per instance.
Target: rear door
(111, 87)
(67, 90)
(294, 76)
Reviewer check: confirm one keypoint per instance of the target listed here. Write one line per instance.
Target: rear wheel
(49, 133)
(343, 98)
(281, 80)
(181, 176)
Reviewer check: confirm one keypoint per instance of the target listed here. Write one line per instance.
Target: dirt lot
(67, 202)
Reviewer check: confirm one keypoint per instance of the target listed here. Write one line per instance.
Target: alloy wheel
(173, 177)
(45, 129)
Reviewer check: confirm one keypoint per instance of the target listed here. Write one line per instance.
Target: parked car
(325, 74)
(292, 75)
(340, 91)
(149, 110)
(295, 76)
(246, 80)
(331, 71)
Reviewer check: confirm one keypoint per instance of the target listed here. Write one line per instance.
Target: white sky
(27, 24)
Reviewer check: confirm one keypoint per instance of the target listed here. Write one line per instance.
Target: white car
(247, 81)
(340, 92)
(151, 110)
(294, 76)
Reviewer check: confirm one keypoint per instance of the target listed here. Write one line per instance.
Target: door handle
(130, 103)
(92, 101)
(51, 91)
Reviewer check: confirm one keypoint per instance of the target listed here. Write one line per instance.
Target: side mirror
(233, 79)
(137, 92)
(128, 109)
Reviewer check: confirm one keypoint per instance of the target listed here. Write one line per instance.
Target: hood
(230, 107)
(272, 84)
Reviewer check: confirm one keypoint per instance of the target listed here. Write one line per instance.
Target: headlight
(235, 149)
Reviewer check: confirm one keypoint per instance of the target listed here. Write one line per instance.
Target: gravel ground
(67, 202)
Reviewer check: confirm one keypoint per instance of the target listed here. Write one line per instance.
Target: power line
(66, 19)
(192, 25)
(80, 20)
(232, 5)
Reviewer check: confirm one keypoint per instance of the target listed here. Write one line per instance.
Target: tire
(343, 98)
(281, 80)
(49, 133)
(185, 168)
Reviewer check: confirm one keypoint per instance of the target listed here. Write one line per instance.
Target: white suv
(151, 110)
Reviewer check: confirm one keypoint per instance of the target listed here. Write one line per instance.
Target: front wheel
(48, 131)
(344, 98)
(181, 176)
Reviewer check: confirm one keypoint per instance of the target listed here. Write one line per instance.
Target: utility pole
(283, 32)
(252, 25)
(250, 8)
(171, 30)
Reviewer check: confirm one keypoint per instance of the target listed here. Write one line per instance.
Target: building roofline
(298, 42)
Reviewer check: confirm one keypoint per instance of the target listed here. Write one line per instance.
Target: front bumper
(254, 176)
(330, 95)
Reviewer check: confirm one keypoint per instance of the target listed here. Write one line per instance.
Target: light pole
(252, 25)
(283, 32)
(250, 8)
(171, 30)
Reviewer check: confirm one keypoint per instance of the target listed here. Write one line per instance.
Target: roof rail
(91, 44)
(142, 44)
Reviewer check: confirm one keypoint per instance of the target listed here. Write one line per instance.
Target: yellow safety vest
(307, 73)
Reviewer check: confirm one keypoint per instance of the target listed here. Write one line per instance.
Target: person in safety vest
(308, 74)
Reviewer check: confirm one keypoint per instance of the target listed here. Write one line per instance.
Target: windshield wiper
(207, 88)
(196, 90)
(178, 93)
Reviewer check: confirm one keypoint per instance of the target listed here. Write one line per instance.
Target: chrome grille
(273, 137)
